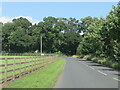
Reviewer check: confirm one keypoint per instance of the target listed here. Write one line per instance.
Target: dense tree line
(58, 35)
(101, 35)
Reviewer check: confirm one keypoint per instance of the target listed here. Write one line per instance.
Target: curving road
(80, 73)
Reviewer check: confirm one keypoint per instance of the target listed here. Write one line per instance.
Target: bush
(94, 59)
(76, 56)
(103, 61)
(108, 63)
(100, 61)
(81, 56)
(115, 65)
(88, 57)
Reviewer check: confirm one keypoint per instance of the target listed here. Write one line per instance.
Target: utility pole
(41, 45)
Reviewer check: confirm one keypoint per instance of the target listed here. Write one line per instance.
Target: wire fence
(13, 66)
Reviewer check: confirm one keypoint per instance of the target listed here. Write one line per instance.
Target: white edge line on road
(116, 79)
(102, 72)
(92, 68)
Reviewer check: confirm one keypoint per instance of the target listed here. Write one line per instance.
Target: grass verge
(44, 78)
(76, 56)
(103, 61)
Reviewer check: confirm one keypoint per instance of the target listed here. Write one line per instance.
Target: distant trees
(59, 35)
(15, 35)
(101, 36)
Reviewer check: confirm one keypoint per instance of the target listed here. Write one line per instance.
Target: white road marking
(102, 72)
(99, 71)
(92, 68)
(116, 79)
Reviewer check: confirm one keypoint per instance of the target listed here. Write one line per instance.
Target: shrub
(75, 56)
(94, 59)
(99, 61)
(88, 57)
(81, 56)
(108, 63)
(115, 65)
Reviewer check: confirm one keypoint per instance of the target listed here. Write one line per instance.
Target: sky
(60, 0)
(36, 11)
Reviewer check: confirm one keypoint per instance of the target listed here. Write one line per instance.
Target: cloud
(8, 19)
(5, 19)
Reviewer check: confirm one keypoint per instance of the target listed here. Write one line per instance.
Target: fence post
(5, 70)
(14, 68)
(39, 58)
(29, 65)
(51, 59)
(43, 60)
(20, 68)
(32, 64)
(35, 64)
(25, 66)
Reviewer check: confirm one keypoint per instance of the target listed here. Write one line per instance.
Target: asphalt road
(80, 73)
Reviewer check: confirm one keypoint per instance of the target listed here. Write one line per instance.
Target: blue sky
(39, 10)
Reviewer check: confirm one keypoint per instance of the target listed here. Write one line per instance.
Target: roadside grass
(103, 61)
(44, 78)
(75, 56)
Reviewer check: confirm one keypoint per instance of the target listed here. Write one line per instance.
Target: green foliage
(101, 35)
(70, 42)
(58, 34)
(81, 56)
(102, 38)
(94, 59)
(85, 23)
(103, 61)
(88, 57)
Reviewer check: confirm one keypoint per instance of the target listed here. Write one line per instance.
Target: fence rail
(16, 67)
(25, 54)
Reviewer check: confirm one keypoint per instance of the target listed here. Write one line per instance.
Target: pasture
(44, 78)
(13, 67)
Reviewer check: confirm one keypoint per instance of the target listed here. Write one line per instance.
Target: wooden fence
(16, 67)
(25, 54)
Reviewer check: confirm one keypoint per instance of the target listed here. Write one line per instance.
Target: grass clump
(44, 78)
(95, 59)
(81, 56)
(76, 56)
(88, 57)
(116, 65)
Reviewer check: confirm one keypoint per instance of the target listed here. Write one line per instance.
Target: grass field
(16, 56)
(44, 78)
(42, 60)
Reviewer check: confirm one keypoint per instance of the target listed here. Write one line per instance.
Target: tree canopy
(101, 36)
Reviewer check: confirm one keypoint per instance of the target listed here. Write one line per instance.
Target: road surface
(80, 73)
